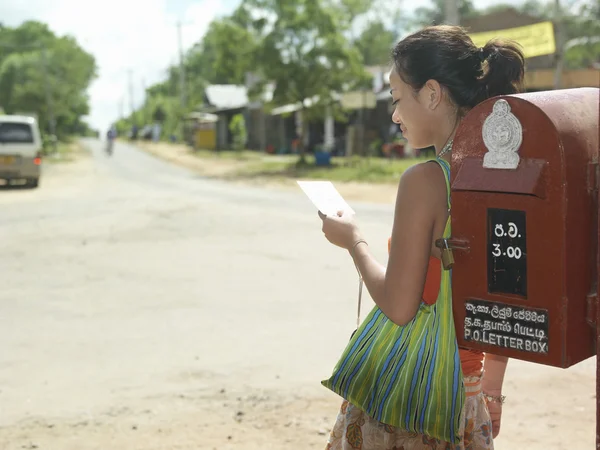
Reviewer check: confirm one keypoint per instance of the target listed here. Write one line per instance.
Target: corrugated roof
(227, 96)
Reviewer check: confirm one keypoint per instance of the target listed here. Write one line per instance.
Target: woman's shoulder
(424, 179)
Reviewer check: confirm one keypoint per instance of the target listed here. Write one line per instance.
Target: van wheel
(33, 182)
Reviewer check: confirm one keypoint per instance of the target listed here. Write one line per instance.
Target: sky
(131, 35)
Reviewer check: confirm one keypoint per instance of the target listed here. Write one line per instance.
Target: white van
(20, 149)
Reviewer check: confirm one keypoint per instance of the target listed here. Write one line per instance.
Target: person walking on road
(111, 135)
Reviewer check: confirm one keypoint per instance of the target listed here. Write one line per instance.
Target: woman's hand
(341, 229)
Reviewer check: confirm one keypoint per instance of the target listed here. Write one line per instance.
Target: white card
(325, 197)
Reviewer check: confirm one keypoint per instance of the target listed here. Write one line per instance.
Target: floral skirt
(355, 430)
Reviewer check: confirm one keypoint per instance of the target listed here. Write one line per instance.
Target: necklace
(446, 148)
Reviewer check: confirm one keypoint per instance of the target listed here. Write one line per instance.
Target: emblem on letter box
(502, 135)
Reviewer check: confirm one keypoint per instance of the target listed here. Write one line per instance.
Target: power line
(131, 104)
(121, 115)
(144, 99)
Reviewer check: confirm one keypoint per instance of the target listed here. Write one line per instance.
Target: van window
(15, 133)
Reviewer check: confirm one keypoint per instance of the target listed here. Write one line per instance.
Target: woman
(438, 76)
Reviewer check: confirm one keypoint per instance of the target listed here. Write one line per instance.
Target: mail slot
(524, 226)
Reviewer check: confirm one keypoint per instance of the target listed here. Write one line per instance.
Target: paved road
(129, 282)
(123, 274)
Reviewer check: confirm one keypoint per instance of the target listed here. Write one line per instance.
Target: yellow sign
(535, 40)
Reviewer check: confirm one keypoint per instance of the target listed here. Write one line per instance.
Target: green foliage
(24, 85)
(369, 170)
(224, 55)
(435, 15)
(533, 8)
(375, 44)
(159, 115)
(237, 127)
(582, 35)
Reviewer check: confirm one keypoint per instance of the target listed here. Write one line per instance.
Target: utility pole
(131, 107)
(121, 109)
(451, 12)
(558, 31)
(144, 101)
(181, 68)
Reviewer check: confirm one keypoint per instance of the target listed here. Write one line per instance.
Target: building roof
(226, 96)
(498, 20)
(202, 116)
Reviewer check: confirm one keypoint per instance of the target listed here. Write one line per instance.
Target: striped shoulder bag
(407, 376)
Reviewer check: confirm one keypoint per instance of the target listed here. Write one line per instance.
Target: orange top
(470, 360)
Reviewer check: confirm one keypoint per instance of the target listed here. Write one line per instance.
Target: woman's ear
(433, 94)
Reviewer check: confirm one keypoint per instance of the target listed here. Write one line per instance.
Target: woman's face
(411, 113)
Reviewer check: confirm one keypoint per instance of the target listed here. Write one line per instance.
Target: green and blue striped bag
(407, 376)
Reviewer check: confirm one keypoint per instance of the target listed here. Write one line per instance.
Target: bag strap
(360, 289)
(446, 168)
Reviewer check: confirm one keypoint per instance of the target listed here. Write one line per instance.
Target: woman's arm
(398, 289)
(494, 368)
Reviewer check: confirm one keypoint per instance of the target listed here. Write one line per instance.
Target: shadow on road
(15, 187)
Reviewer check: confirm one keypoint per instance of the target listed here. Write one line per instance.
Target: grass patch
(65, 152)
(368, 170)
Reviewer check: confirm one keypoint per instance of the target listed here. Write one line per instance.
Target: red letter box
(524, 226)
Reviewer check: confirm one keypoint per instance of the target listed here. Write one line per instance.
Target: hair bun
(484, 53)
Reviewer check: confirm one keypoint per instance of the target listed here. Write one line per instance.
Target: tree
(35, 63)
(533, 8)
(224, 54)
(375, 43)
(306, 55)
(436, 14)
(582, 35)
(159, 115)
(237, 127)
(348, 12)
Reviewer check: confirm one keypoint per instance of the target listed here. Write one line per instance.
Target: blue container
(323, 158)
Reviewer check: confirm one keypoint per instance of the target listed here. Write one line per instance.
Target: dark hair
(447, 54)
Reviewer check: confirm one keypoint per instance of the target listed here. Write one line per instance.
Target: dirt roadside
(225, 168)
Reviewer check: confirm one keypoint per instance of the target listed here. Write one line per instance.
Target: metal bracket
(453, 243)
